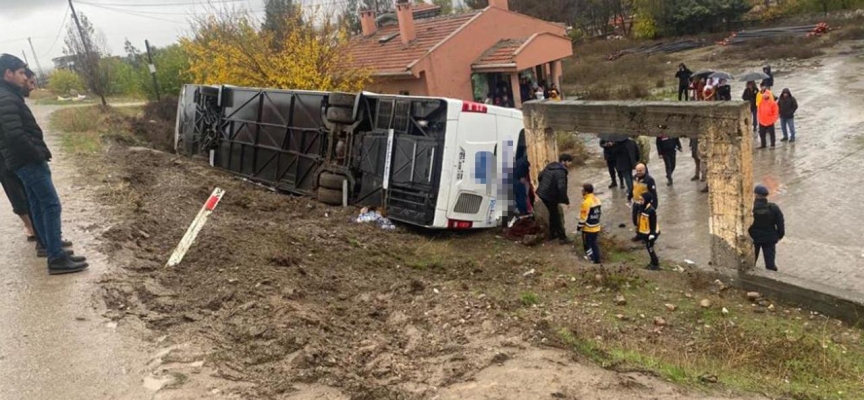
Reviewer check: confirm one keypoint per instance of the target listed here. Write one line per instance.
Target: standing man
(694, 154)
(788, 105)
(769, 81)
(642, 183)
(609, 154)
(24, 149)
(668, 148)
(648, 230)
(751, 93)
(683, 76)
(552, 190)
(768, 227)
(589, 223)
(768, 114)
(626, 158)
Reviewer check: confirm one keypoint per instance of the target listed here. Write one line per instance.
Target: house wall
(448, 68)
(414, 86)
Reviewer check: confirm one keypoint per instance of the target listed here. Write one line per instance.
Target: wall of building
(449, 67)
(414, 86)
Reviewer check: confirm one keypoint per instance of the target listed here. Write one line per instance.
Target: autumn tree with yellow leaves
(228, 48)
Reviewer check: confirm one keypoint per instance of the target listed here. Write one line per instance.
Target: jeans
(767, 130)
(669, 159)
(627, 177)
(592, 249)
(44, 206)
(683, 92)
(770, 250)
(787, 125)
(556, 223)
(755, 119)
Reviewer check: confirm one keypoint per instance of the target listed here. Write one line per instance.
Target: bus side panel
(449, 165)
(474, 187)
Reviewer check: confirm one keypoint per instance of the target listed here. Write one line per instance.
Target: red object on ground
(211, 203)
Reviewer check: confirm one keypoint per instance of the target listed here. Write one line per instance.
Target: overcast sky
(160, 21)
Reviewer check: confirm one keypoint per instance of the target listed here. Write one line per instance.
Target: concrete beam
(723, 126)
(634, 118)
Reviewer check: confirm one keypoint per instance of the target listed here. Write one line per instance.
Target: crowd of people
(627, 164)
(24, 171)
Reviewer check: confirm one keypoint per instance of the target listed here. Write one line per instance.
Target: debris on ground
(371, 215)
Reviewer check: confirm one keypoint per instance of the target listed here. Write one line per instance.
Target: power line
(131, 13)
(168, 4)
(59, 31)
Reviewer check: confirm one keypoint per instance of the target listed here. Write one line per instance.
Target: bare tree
(87, 63)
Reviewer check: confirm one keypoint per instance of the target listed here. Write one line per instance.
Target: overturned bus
(432, 162)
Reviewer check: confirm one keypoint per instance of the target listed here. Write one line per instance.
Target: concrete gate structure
(724, 126)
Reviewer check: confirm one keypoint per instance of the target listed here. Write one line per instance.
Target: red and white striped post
(195, 228)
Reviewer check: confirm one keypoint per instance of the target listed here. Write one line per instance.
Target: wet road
(816, 182)
(53, 342)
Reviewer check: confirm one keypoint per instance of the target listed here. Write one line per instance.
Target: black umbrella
(753, 76)
(703, 73)
(612, 137)
(721, 75)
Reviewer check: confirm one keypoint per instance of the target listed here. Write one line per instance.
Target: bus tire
(339, 115)
(328, 180)
(341, 99)
(330, 196)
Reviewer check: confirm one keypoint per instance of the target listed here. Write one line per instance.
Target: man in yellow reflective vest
(642, 183)
(648, 229)
(589, 223)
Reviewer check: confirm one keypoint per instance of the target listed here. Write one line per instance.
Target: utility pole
(94, 69)
(24, 53)
(152, 70)
(36, 59)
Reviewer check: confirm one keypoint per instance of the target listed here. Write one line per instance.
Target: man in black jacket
(683, 76)
(768, 227)
(668, 148)
(788, 106)
(626, 158)
(23, 147)
(552, 190)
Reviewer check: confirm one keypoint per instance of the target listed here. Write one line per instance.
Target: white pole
(195, 228)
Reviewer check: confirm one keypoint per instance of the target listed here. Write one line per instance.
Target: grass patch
(849, 32)
(529, 298)
(593, 77)
(569, 143)
(86, 128)
(777, 48)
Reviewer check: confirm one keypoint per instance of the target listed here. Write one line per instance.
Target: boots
(41, 252)
(65, 265)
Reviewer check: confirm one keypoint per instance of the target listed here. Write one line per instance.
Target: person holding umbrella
(751, 92)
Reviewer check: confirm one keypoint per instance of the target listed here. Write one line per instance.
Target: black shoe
(613, 185)
(705, 190)
(771, 269)
(65, 265)
(792, 140)
(42, 253)
(621, 186)
(694, 179)
(784, 139)
(652, 267)
(31, 238)
(668, 181)
(761, 147)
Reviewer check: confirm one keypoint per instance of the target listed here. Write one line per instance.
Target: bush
(156, 125)
(63, 82)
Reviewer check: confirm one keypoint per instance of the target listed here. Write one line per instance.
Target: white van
(434, 162)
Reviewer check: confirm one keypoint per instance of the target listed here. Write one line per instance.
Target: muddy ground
(286, 297)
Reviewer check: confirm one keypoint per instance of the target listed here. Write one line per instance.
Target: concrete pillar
(558, 67)
(516, 89)
(730, 183)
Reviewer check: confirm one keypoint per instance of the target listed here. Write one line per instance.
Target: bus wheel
(339, 115)
(340, 99)
(331, 181)
(330, 196)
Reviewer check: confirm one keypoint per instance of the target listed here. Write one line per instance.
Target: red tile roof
(393, 56)
(502, 52)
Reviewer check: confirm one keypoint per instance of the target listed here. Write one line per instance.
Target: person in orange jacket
(768, 114)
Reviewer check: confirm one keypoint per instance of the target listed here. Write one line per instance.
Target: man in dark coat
(768, 227)
(751, 92)
(552, 190)
(668, 148)
(769, 81)
(683, 76)
(609, 154)
(788, 106)
(23, 147)
(626, 158)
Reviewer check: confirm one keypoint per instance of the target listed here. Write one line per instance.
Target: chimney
(367, 22)
(406, 21)
(502, 4)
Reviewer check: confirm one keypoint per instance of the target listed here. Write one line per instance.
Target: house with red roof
(493, 54)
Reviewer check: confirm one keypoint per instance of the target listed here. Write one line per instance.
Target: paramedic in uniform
(642, 183)
(648, 229)
(589, 223)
